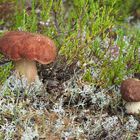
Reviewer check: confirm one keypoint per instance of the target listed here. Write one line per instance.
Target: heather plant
(4, 71)
(86, 32)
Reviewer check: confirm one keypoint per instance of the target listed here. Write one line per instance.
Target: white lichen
(20, 86)
(30, 134)
(109, 123)
(132, 124)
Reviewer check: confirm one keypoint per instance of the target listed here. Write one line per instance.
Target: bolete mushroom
(130, 90)
(25, 49)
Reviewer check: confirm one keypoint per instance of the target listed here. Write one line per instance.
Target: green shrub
(84, 32)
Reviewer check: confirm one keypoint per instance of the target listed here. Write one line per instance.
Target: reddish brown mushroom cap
(18, 45)
(130, 90)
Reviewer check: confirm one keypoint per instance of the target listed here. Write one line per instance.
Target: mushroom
(130, 90)
(25, 49)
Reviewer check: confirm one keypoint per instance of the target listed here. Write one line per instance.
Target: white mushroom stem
(132, 107)
(26, 68)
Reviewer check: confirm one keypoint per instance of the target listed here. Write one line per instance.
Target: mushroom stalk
(132, 107)
(26, 68)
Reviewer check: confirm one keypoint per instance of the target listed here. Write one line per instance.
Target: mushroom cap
(130, 90)
(18, 45)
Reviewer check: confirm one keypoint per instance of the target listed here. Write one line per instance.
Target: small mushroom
(130, 90)
(25, 49)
